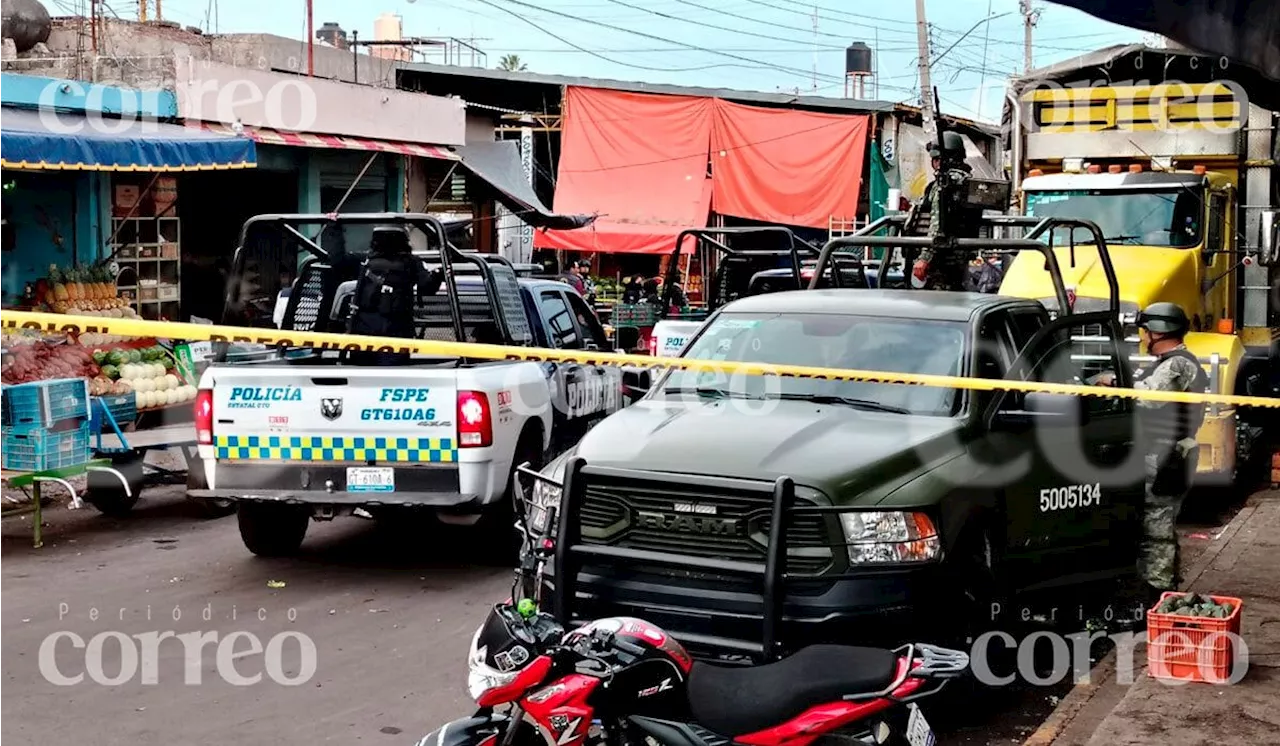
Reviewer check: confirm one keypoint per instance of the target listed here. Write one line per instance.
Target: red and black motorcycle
(624, 682)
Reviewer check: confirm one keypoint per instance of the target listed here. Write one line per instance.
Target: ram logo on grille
(688, 524)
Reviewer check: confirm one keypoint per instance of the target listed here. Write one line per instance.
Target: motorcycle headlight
(886, 537)
(481, 677)
(544, 495)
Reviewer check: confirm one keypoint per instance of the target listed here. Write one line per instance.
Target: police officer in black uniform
(384, 297)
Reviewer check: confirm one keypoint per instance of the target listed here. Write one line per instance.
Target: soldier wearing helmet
(1168, 435)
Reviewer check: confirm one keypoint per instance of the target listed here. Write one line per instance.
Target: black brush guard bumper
(882, 604)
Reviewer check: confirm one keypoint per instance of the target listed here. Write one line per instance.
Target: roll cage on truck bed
(770, 574)
(738, 274)
(321, 295)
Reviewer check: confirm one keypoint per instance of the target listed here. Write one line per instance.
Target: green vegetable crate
(1191, 637)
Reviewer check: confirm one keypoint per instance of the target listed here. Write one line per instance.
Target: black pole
(355, 56)
(775, 566)
(569, 533)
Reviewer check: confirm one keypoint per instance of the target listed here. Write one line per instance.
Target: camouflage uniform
(1169, 465)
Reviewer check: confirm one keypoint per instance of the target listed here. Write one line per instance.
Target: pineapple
(73, 284)
(61, 294)
(99, 284)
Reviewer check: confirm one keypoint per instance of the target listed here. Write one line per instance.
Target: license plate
(918, 731)
(371, 479)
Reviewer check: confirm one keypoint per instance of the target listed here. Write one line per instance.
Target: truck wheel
(105, 491)
(271, 530)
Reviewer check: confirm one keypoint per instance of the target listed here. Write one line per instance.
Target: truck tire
(270, 530)
(105, 491)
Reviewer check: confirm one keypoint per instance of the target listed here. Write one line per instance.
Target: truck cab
(1166, 172)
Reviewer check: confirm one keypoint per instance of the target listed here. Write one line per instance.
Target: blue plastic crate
(40, 449)
(123, 409)
(45, 403)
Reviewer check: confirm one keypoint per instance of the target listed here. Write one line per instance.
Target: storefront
(86, 193)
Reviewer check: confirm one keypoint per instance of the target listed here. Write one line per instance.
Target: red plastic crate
(1188, 648)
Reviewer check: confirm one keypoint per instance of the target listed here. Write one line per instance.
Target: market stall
(138, 397)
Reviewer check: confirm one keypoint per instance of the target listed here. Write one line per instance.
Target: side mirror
(635, 383)
(1269, 245)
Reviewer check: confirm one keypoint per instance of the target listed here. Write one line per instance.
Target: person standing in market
(385, 297)
(573, 277)
(1168, 432)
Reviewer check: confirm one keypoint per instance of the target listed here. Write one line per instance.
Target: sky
(766, 45)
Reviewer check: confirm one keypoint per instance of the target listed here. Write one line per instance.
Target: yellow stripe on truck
(59, 323)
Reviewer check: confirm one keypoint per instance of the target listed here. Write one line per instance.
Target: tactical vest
(1174, 421)
(384, 296)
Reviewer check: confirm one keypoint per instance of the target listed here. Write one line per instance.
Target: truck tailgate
(672, 336)
(378, 415)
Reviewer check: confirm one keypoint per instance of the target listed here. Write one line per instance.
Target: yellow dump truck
(1181, 179)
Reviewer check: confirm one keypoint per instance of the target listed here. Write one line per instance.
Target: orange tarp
(785, 166)
(640, 162)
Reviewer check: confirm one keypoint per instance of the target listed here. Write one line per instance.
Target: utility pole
(311, 40)
(1029, 18)
(926, 84)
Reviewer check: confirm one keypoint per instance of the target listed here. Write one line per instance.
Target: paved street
(390, 616)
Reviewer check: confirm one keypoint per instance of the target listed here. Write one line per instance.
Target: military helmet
(1164, 318)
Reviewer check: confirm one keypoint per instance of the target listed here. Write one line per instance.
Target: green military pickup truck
(908, 510)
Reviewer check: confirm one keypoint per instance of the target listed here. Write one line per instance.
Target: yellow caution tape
(324, 341)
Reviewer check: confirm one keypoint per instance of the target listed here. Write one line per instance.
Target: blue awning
(59, 141)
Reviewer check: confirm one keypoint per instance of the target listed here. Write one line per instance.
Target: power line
(652, 37)
(770, 37)
(744, 17)
(813, 10)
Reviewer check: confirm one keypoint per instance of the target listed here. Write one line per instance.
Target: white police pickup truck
(310, 437)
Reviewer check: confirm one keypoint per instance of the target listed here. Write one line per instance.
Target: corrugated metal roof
(728, 94)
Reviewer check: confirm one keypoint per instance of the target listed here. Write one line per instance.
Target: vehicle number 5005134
(1070, 497)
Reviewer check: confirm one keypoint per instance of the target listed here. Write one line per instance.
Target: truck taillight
(653, 345)
(475, 425)
(204, 417)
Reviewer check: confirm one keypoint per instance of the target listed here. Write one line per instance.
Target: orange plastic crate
(1188, 648)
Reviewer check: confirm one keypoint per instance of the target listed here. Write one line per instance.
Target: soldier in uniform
(945, 269)
(384, 297)
(1169, 437)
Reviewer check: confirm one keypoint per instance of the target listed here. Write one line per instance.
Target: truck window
(555, 309)
(830, 341)
(1023, 325)
(587, 322)
(1066, 359)
(1217, 214)
(1165, 217)
(996, 351)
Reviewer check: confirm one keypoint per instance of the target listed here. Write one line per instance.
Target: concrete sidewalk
(1243, 562)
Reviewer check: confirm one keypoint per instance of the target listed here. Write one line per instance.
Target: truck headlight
(885, 537)
(544, 495)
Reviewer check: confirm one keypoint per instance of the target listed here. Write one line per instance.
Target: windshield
(826, 341)
(1157, 218)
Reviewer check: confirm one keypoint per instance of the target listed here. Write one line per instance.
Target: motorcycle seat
(735, 701)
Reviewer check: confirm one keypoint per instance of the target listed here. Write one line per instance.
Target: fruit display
(149, 372)
(1194, 605)
(42, 361)
(86, 291)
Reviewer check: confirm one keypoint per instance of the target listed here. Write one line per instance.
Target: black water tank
(857, 59)
(27, 22)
